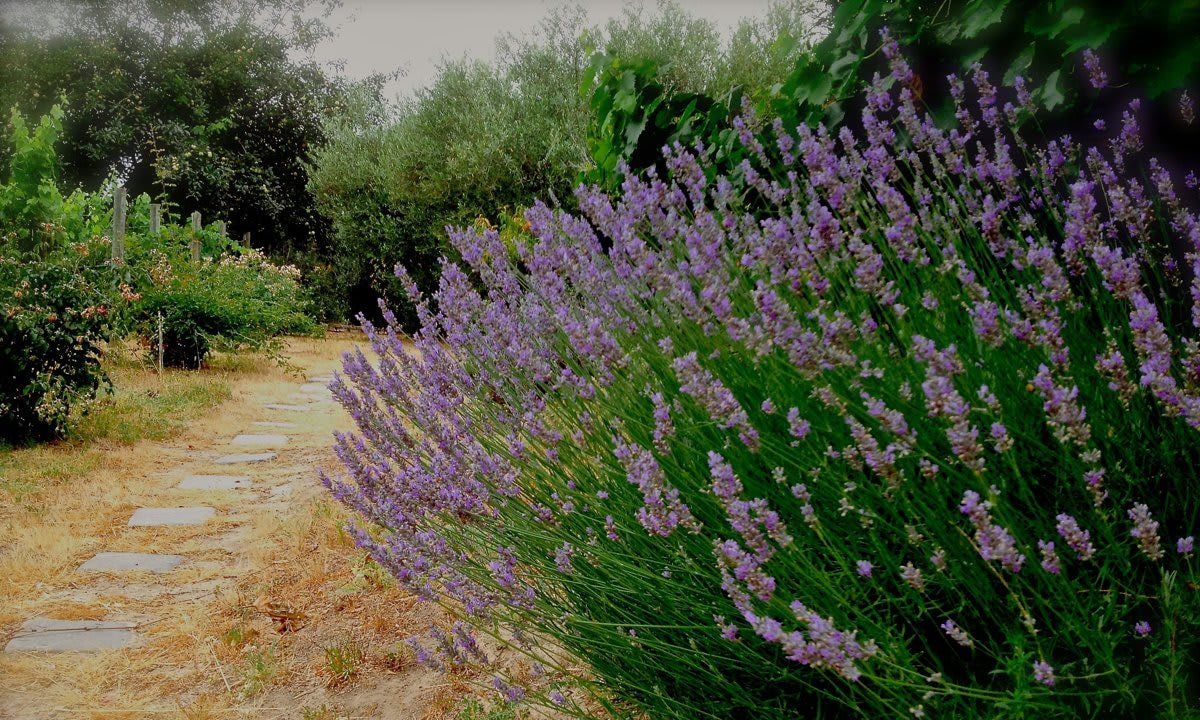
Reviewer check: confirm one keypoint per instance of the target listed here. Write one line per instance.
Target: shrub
(915, 435)
(57, 300)
(52, 322)
(237, 301)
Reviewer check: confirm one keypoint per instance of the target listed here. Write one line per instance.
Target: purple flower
(944, 401)
(562, 558)
(1096, 75)
(880, 274)
(1043, 673)
(995, 543)
(1077, 539)
(1141, 628)
(957, 634)
(729, 631)
(1066, 417)
(664, 428)
(798, 428)
(510, 693)
(758, 525)
(913, 577)
(663, 511)
(714, 397)
(1049, 557)
(1145, 530)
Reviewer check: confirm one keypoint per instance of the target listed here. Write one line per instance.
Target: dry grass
(205, 650)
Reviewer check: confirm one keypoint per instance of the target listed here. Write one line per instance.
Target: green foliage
(237, 301)
(192, 103)
(261, 668)
(62, 295)
(644, 96)
(1148, 45)
(130, 414)
(635, 116)
(478, 140)
(56, 303)
(53, 319)
(484, 139)
(31, 198)
(343, 661)
(473, 709)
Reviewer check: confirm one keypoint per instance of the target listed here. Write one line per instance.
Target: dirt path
(260, 609)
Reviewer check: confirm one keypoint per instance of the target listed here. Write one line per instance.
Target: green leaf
(1051, 24)
(974, 56)
(1052, 94)
(1020, 65)
(1091, 36)
(844, 64)
(985, 14)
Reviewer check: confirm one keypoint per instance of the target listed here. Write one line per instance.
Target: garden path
(222, 584)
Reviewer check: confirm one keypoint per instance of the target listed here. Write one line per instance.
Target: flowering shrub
(56, 300)
(240, 300)
(919, 438)
(53, 318)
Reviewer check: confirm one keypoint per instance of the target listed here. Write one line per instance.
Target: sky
(383, 35)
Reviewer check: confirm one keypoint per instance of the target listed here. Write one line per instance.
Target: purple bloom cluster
(662, 510)
(995, 543)
(1145, 531)
(1077, 539)
(957, 634)
(1043, 673)
(714, 397)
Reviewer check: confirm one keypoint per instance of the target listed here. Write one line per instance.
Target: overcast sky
(382, 35)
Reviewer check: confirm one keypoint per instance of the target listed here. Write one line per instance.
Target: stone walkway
(247, 451)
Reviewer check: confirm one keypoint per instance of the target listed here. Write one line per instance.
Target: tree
(484, 140)
(190, 101)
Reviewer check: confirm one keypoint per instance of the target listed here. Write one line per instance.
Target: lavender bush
(901, 421)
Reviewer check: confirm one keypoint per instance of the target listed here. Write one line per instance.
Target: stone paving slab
(256, 440)
(214, 482)
(324, 379)
(238, 458)
(46, 635)
(309, 399)
(146, 517)
(288, 407)
(129, 562)
(314, 388)
(273, 424)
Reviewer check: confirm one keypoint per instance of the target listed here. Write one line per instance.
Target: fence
(120, 218)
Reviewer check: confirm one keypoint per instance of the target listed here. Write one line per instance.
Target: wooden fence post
(155, 219)
(118, 230)
(196, 237)
(246, 240)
